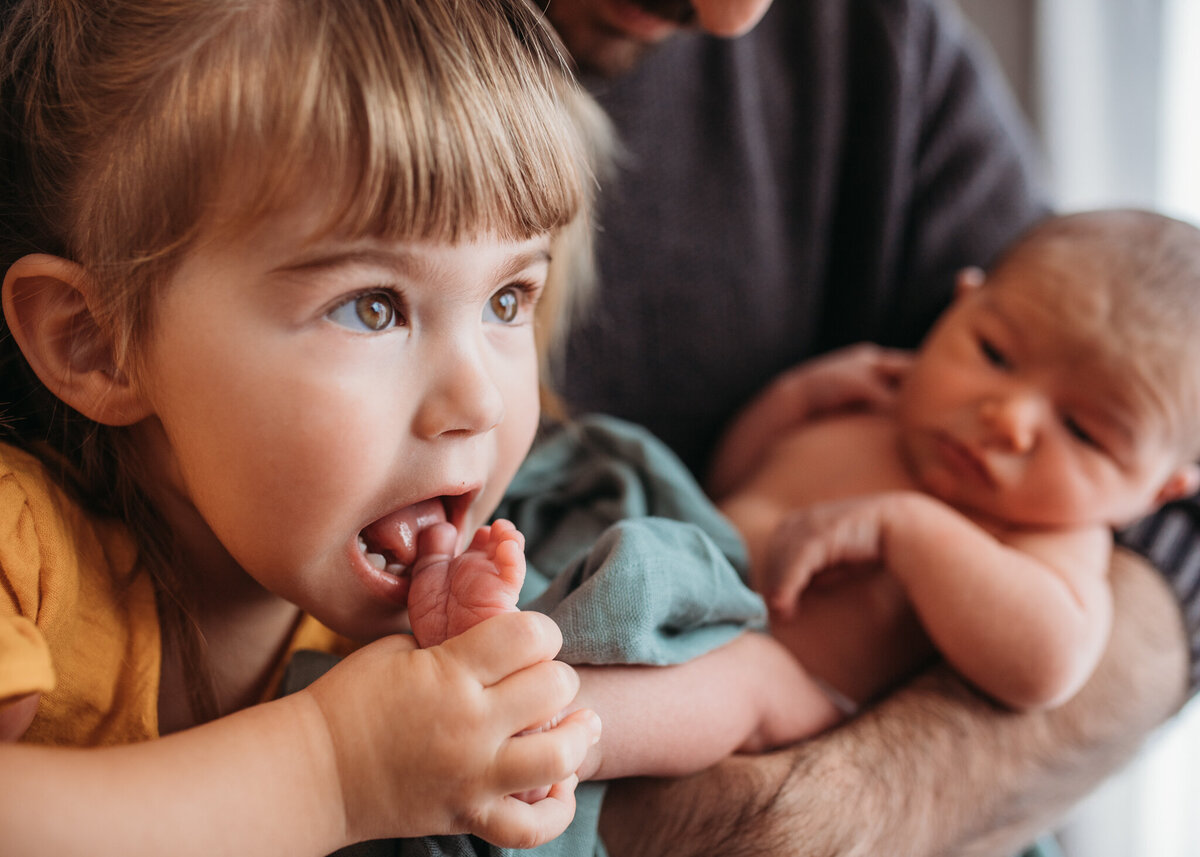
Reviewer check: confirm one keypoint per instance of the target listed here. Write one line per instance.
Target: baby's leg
(450, 594)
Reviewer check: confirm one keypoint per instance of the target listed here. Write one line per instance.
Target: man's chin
(611, 38)
(678, 12)
(611, 59)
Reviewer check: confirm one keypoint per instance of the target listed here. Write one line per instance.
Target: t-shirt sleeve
(25, 665)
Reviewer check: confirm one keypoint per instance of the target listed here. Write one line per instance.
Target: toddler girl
(273, 275)
(272, 278)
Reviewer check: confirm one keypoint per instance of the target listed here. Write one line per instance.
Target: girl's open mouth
(389, 544)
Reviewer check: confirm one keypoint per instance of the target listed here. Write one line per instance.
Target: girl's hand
(811, 540)
(427, 740)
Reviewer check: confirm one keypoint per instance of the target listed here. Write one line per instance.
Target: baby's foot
(450, 594)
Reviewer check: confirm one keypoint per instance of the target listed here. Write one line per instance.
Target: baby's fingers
(539, 759)
(789, 570)
(893, 362)
(783, 599)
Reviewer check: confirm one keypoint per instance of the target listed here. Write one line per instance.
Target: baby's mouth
(390, 544)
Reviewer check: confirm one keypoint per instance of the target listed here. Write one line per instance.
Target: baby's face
(1017, 409)
(319, 403)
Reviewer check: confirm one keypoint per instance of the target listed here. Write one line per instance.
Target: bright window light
(1179, 177)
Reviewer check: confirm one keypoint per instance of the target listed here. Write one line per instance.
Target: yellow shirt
(78, 621)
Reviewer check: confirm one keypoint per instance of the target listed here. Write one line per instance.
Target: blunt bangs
(418, 121)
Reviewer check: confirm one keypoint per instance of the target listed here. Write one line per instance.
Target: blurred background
(1112, 89)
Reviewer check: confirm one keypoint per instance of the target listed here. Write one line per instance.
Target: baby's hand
(813, 539)
(862, 376)
(427, 741)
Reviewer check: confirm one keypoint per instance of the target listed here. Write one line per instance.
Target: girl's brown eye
(505, 304)
(375, 311)
(369, 312)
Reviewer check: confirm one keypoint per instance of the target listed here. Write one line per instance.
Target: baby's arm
(749, 695)
(860, 376)
(394, 741)
(1026, 622)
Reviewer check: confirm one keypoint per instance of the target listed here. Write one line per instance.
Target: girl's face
(317, 403)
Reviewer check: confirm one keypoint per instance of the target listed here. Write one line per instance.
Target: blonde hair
(126, 123)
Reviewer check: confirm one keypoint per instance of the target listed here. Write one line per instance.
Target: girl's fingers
(505, 644)
(533, 696)
(516, 824)
(526, 762)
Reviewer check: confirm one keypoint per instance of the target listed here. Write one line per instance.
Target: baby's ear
(46, 306)
(1184, 482)
(968, 280)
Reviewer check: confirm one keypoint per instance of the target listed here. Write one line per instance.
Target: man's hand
(934, 769)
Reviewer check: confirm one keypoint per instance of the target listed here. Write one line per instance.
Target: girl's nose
(462, 397)
(1012, 421)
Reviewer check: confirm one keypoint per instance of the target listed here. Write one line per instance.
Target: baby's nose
(1013, 421)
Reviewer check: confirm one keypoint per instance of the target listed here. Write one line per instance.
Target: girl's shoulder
(45, 530)
(38, 513)
(77, 624)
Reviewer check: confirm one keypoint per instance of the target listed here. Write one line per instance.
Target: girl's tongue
(395, 536)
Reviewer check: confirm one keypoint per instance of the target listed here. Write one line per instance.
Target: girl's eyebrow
(403, 262)
(518, 262)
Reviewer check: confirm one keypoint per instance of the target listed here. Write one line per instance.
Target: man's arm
(934, 769)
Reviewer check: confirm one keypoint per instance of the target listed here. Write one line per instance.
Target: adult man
(813, 183)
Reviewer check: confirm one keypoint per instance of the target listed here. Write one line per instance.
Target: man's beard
(676, 11)
(597, 47)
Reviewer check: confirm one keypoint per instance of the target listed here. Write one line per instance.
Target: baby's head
(1063, 387)
(165, 160)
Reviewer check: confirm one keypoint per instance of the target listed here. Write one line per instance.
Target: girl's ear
(45, 301)
(968, 280)
(1184, 482)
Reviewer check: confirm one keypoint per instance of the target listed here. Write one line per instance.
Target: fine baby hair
(1139, 295)
(133, 131)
